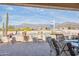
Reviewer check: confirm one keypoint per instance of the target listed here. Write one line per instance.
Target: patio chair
(56, 46)
(70, 49)
(35, 39)
(1, 41)
(26, 38)
(53, 44)
(13, 40)
(48, 39)
(59, 47)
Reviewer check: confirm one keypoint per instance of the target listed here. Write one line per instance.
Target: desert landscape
(38, 31)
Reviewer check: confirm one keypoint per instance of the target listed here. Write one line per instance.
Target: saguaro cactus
(6, 24)
(3, 29)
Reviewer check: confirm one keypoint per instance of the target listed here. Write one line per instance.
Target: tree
(69, 27)
(11, 28)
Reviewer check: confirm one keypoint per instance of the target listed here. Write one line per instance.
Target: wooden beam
(66, 6)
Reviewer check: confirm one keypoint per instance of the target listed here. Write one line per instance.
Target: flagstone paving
(25, 49)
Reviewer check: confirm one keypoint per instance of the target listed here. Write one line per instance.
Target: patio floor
(25, 49)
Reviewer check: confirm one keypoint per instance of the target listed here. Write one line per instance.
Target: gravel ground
(25, 49)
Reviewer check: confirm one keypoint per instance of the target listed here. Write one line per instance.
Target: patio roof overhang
(66, 6)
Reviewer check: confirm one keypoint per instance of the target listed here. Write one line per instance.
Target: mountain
(72, 25)
(34, 26)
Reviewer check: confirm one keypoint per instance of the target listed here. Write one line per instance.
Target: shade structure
(66, 6)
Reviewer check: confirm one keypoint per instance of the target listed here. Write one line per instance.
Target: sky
(32, 15)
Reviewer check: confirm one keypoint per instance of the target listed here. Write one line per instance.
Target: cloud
(9, 8)
(34, 9)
